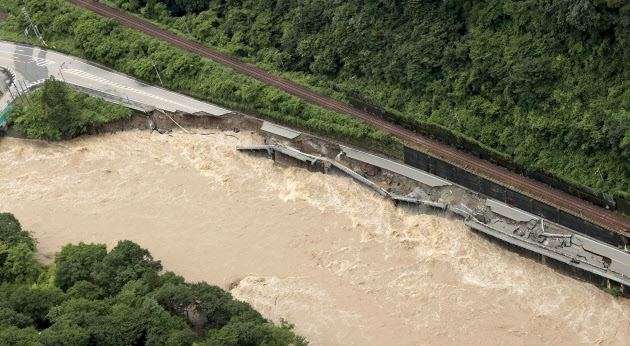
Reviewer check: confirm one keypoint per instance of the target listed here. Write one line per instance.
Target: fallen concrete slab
(392, 166)
(280, 130)
(509, 212)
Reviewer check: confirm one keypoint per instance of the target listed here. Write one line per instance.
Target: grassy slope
(81, 33)
(544, 83)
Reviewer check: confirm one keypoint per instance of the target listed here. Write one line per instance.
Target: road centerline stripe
(105, 81)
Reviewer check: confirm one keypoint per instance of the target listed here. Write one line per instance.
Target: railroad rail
(486, 169)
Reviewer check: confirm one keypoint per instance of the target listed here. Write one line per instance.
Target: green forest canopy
(90, 296)
(543, 81)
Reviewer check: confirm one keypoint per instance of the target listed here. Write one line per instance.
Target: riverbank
(329, 255)
(433, 196)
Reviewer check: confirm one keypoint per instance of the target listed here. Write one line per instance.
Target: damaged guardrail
(488, 216)
(311, 159)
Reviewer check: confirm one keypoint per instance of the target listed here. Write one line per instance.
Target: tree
(81, 312)
(523, 76)
(177, 299)
(55, 96)
(19, 264)
(127, 261)
(221, 337)
(55, 111)
(181, 337)
(243, 312)
(142, 308)
(152, 279)
(90, 315)
(164, 328)
(15, 336)
(77, 263)
(86, 290)
(128, 325)
(251, 333)
(35, 302)
(9, 226)
(9, 317)
(211, 305)
(64, 333)
(11, 232)
(132, 293)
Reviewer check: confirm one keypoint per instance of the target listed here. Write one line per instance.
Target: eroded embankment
(336, 259)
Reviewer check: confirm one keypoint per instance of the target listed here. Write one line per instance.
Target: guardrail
(112, 98)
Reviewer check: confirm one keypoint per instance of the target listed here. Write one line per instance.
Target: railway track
(537, 190)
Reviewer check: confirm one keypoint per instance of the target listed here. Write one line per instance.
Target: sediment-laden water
(332, 257)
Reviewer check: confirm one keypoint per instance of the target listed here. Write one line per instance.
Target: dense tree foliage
(76, 263)
(17, 263)
(545, 82)
(56, 111)
(94, 297)
(85, 34)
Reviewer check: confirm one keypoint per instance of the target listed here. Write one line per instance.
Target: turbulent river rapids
(321, 251)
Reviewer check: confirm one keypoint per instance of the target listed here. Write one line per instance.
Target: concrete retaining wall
(444, 135)
(506, 195)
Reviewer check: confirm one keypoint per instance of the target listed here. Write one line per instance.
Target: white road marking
(89, 76)
(61, 57)
(42, 62)
(37, 82)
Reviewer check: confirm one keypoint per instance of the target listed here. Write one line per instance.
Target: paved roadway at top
(32, 64)
(562, 200)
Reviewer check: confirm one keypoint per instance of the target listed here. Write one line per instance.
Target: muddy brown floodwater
(323, 252)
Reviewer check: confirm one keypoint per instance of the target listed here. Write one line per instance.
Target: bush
(56, 111)
(614, 291)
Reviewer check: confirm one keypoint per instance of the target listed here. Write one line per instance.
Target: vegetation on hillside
(82, 33)
(543, 81)
(93, 297)
(55, 111)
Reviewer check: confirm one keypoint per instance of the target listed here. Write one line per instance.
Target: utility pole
(17, 90)
(35, 30)
(9, 89)
(24, 93)
(63, 67)
(156, 71)
(354, 78)
(184, 20)
(456, 117)
(282, 62)
(600, 174)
